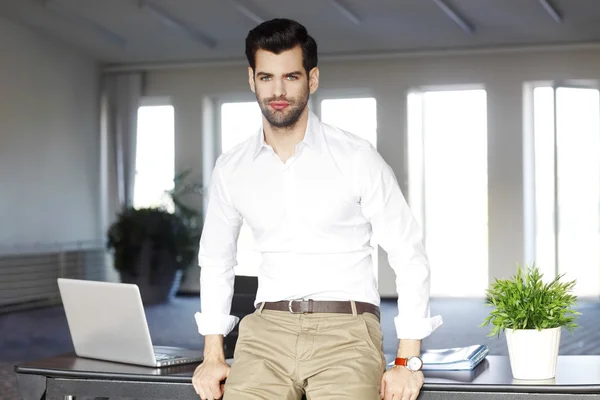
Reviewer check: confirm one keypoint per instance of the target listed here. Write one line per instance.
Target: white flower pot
(533, 354)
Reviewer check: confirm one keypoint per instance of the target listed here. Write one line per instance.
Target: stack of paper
(454, 359)
(458, 358)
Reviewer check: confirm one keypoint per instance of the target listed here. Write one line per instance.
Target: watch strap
(402, 361)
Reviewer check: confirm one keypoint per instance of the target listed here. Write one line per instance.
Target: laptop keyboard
(163, 357)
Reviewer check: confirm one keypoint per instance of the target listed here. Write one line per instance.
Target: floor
(34, 334)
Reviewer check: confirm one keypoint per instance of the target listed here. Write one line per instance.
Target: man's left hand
(399, 383)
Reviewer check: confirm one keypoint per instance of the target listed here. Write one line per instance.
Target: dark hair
(279, 35)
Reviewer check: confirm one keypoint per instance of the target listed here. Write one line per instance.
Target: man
(314, 197)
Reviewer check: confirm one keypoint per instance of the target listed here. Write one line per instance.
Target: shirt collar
(259, 143)
(312, 137)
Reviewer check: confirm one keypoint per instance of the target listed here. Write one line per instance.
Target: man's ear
(251, 79)
(313, 80)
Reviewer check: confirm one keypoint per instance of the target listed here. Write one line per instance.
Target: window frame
(530, 162)
(156, 101)
(417, 197)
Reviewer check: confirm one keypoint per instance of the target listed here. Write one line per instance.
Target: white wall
(49, 141)
(502, 74)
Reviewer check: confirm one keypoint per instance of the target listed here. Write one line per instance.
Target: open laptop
(107, 322)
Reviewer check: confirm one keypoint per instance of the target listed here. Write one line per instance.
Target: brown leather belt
(312, 306)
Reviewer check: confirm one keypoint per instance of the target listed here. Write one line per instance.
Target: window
(567, 184)
(447, 147)
(358, 116)
(239, 121)
(155, 156)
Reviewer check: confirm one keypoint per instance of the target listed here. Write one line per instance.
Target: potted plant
(187, 195)
(531, 313)
(191, 217)
(151, 247)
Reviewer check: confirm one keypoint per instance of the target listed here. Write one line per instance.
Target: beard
(287, 117)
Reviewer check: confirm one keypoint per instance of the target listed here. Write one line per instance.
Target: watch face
(414, 363)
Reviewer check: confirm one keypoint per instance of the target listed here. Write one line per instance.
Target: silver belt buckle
(290, 307)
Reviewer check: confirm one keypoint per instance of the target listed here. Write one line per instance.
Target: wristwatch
(413, 363)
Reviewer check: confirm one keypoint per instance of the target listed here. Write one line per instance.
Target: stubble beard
(284, 119)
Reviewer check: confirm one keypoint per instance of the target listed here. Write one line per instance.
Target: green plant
(154, 227)
(526, 302)
(192, 218)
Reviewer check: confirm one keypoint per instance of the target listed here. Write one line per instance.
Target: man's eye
(265, 78)
(292, 77)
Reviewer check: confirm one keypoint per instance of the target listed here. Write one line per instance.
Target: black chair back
(244, 294)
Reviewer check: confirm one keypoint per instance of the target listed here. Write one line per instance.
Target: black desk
(577, 376)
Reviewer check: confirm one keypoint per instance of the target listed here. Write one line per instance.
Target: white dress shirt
(313, 219)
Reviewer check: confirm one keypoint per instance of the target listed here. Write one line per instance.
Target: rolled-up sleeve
(397, 232)
(217, 257)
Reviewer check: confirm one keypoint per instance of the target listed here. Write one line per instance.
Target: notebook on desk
(454, 359)
(107, 322)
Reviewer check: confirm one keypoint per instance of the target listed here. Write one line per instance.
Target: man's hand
(208, 377)
(399, 383)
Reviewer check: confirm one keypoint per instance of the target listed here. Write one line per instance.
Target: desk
(577, 376)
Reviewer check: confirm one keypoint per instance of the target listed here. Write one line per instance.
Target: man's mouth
(279, 105)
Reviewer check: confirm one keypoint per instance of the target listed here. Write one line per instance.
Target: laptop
(107, 322)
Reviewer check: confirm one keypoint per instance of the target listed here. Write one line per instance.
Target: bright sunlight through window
(155, 157)
(358, 116)
(567, 184)
(239, 121)
(448, 186)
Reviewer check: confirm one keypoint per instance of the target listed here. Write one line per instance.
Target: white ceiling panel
(122, 31)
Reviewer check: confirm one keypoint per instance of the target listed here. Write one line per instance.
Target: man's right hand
(209, 375)
(208, 378)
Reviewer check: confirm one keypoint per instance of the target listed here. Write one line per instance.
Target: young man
(314, 197)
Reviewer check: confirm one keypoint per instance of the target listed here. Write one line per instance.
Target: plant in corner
(531, 312)
(187, 195)
(151, 247)
(190, 216)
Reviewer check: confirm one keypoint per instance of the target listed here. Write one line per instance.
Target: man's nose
(279, 88)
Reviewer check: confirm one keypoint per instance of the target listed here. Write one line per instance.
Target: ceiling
(143, 31)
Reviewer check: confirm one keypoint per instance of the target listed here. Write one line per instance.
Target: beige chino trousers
(281, 356)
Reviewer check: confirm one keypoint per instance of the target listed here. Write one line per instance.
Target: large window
(155, 156)
(358, 116)
(239, 121)
(567, 184)
(447, 139)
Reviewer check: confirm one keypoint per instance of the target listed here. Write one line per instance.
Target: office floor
(34, 334)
